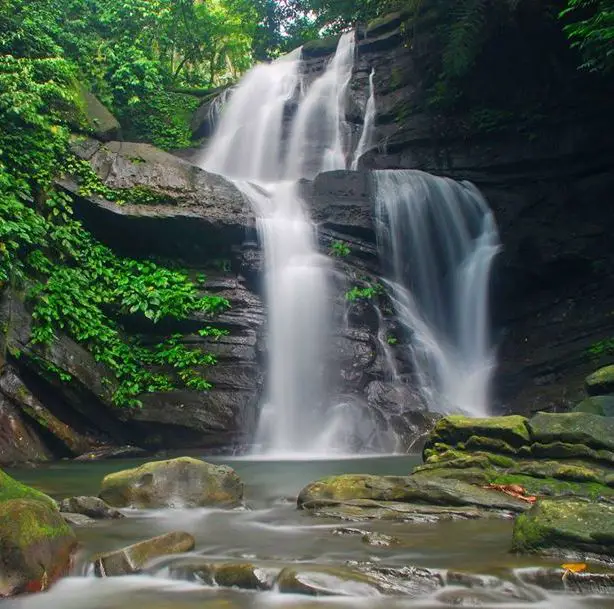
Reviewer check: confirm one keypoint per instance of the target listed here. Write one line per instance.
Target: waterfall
(274, 131)
(439, 239)
(368, 129)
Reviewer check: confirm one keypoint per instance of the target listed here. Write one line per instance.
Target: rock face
(568, 526)
(182, 482)
(133, 558)
(36, 546)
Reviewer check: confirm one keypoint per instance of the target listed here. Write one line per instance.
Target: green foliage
(590, 27)
(340, 249)
(75, 284)
(368, 292)
(601, 348)
(392, 340)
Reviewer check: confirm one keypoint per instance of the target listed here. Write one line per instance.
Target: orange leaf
(574, 567)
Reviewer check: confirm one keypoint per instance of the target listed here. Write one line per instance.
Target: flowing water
(274, 130)
(439, 239)
(271, 532)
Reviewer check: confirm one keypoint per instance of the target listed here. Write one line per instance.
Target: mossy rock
(506, 433)
(99, 121)
(564, 450)
(572, 525)
(600, 382)
(182, 482)
(419, 489)
(132, 559)
(12, 489)
(602, 405)
(35, 546)
(582, 428)
(387, 23)
(321, 46)
(92, 507)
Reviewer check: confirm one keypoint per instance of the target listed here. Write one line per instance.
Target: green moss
(28, 521)
(320, 46)
(552, 487)
(601, 381)
(478, 443)
(12, 489)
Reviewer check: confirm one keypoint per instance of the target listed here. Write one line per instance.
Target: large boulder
(12, 489)
(182, 482)
(35, 546)
(602, 405)
(566, 526)
(99, 121)
(601, 381)
(133, 558)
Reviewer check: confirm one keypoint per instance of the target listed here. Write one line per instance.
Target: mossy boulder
(182, 482)
(505, 434)
(12, 489)
(600, 382)
(99, 120)
(590, 430)
(132, 559)
(602, 405)
(566, 525)
(35, 546)
(418, 489)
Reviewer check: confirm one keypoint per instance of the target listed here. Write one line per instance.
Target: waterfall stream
(438, 238)
(277, 127)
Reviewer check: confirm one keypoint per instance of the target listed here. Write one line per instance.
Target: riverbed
(269, 531)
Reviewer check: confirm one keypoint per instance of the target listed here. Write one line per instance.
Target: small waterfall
(274, 131)
(366, 137)
(439, 239)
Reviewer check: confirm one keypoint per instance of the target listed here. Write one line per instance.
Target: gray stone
(92, 507)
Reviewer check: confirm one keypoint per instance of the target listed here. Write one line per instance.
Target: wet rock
(323, 581)
(371, 538)
(93, 507)
(504, 433)
(77, 520)
(36, 546)
(566, 525)
(182, 482)
(133, 558)
(560, 580)
(113, 452)
(590, 430)
(415, 489)
(600, 382)
(602, 405)
(12, 489)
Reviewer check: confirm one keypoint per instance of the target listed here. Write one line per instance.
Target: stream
(270, 531)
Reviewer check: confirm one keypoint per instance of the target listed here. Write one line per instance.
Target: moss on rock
(182, 482)
(602, 405)
(12, 489)
(35, 546)
(567, 525)
(601, 381)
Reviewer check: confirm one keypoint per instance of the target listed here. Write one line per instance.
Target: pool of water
(271, 531)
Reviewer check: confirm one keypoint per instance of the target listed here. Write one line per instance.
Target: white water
(366, 137)
(439, 238)
(273, 131)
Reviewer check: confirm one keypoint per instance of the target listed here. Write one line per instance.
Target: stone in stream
(12, 489)
(558, 580)
(600, 382)
(371, 538)
(182, 482)
(353, 496)
(132, 559)
(92, 507)
(77, 520)
(566, 527)
(36, 546)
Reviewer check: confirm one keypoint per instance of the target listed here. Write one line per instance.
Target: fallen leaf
(574, 567)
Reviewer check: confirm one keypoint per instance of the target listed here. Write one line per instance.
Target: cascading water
(439, 238)
(274, 131)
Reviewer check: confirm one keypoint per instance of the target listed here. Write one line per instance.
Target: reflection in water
(271, 533)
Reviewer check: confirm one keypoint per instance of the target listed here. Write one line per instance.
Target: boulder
(600, 382)
(416, 489)
(581, 428)
(182, 482)
(602, 405)
(36, 546)
(560, 526)
(77, 520)
(93, 507)
(504, 433)
(133, 558)
(323, 581)
(559, 580)
(100, 122)
(12, 489)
